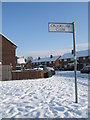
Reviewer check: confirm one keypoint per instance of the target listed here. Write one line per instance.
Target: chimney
(51, 56)
(38, 58)
(72, 51)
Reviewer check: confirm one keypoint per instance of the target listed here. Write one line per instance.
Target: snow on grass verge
(45, 98)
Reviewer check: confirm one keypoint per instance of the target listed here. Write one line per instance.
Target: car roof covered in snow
(46, 59)
(78, 54)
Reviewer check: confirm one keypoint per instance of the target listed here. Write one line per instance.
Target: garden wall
(28, 74)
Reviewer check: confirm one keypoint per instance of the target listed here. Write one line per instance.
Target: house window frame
(65, 60)
(60, 60)
(71, 59)
(65, 66)
(50, 62)
(84, 58)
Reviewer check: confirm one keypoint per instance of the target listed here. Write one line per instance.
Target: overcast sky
(26, 24)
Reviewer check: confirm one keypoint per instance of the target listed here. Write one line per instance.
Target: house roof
(20, 60)
(46, 59)
(82, 53)
(8, 40)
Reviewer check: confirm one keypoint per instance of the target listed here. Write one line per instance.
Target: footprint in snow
(38, 114)
(29, 107)
(59, 108)
(66, 114)
(20, 109)
(36, 97)
(58, 104)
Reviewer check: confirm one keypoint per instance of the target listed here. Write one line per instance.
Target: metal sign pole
(68, 28)
(75, 65)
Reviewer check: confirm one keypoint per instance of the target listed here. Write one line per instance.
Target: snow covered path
(45, 98)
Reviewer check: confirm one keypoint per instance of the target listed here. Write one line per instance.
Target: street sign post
(67, 28)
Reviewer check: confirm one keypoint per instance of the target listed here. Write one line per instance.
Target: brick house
(67, 62)
(52, 61)
(28, 64)
(8, 50)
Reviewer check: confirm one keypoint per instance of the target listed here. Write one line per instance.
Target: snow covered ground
(45, 98)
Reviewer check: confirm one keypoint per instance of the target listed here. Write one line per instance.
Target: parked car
(51, 69)
(38, 68)
(47, 68)
(85, 69)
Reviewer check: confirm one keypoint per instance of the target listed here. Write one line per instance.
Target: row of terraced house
(8, 58)
(64, 62)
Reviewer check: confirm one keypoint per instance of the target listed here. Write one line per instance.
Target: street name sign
(61, 27)
(67, 28)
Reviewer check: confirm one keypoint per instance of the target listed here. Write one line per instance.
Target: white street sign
(61, 27)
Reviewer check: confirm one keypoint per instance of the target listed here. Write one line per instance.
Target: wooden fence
(28, 74)
(6, 74)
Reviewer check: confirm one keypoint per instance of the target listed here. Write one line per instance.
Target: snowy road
(45, 98)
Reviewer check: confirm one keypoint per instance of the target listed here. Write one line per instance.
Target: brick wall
(8, 53)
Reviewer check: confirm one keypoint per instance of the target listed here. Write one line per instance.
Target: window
(62, 60)
(65, 59)
(84, 64)
(43, 63)
(84, 58)
(71, 59)
(77, 58)
(52, 62)
(65, 66)
(80, 58)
